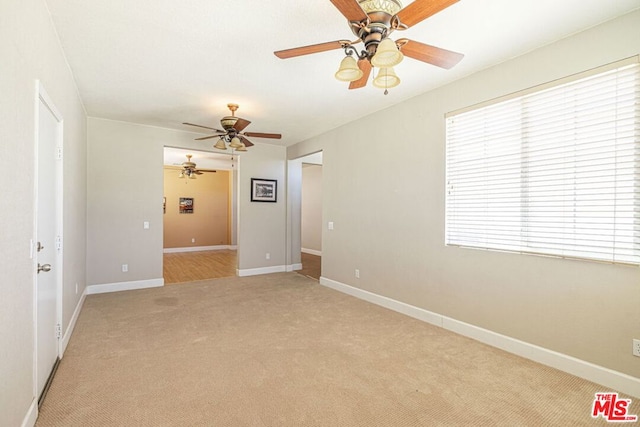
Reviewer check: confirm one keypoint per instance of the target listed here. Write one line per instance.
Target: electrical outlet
(636, 347)
(125, 268)
(268, 255)
(193, 240)
(357, 273)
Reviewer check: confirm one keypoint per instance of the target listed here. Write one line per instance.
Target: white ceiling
(166, 62)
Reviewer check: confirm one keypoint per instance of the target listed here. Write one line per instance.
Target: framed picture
(264, 190)
(186, 205)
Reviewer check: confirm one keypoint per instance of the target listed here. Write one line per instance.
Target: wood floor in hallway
(183, 267)
(311, 266)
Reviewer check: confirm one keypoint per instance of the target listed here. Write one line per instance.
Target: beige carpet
(282, 350)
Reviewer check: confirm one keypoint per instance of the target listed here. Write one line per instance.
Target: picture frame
(264, 190)
(186, 205)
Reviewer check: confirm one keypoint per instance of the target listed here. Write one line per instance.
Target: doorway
(311, 215)
(47, 245)
(199, 215)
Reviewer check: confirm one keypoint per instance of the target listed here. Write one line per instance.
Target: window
(553, 170)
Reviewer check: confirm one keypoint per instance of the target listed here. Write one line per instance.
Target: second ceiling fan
(233, 134)
(372, 21)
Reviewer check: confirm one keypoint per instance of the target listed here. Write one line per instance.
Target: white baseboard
(261, 270)
(72, 324)
(124, 286)
(294, 267)
(311, 251)
(31, 416)
(198, 249)
(598, 374)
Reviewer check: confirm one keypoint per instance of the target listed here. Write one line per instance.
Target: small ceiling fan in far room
(233, 134)
(188, 169)
(373, 21)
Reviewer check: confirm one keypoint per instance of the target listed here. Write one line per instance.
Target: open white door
(47, 250)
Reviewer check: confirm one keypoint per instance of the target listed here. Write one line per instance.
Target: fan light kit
(189, 169)
(373, 21)
(233, 136)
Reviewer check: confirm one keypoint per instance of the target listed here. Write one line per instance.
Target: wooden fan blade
(430, 54)
(206, 127)
(197, 172)
(263, 135)
(350, 9)
(365, 66)
(241, 124)
(246, 142)
(207, 137)
(306, 50)
(420, 10)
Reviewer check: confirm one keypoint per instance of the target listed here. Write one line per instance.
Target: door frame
(234, 200)
(294, 210)
(41, 96)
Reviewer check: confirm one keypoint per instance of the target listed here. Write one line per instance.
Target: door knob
(44, 267)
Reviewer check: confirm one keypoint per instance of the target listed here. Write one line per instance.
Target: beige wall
(30, 51)
(262, 227)
(209, 223)
(124, 189)
(389, 219)
(311, 207)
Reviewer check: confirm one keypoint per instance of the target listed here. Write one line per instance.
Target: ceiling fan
(372, 21)
(189, 169)
(233, 134)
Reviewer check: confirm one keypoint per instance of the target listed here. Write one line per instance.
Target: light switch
(146, 225)
(330, 225)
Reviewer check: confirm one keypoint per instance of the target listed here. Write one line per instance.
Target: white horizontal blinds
(580, 177)
(484, 172)
(553, 172)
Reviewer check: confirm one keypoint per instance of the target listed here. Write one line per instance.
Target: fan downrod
(233, 108)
